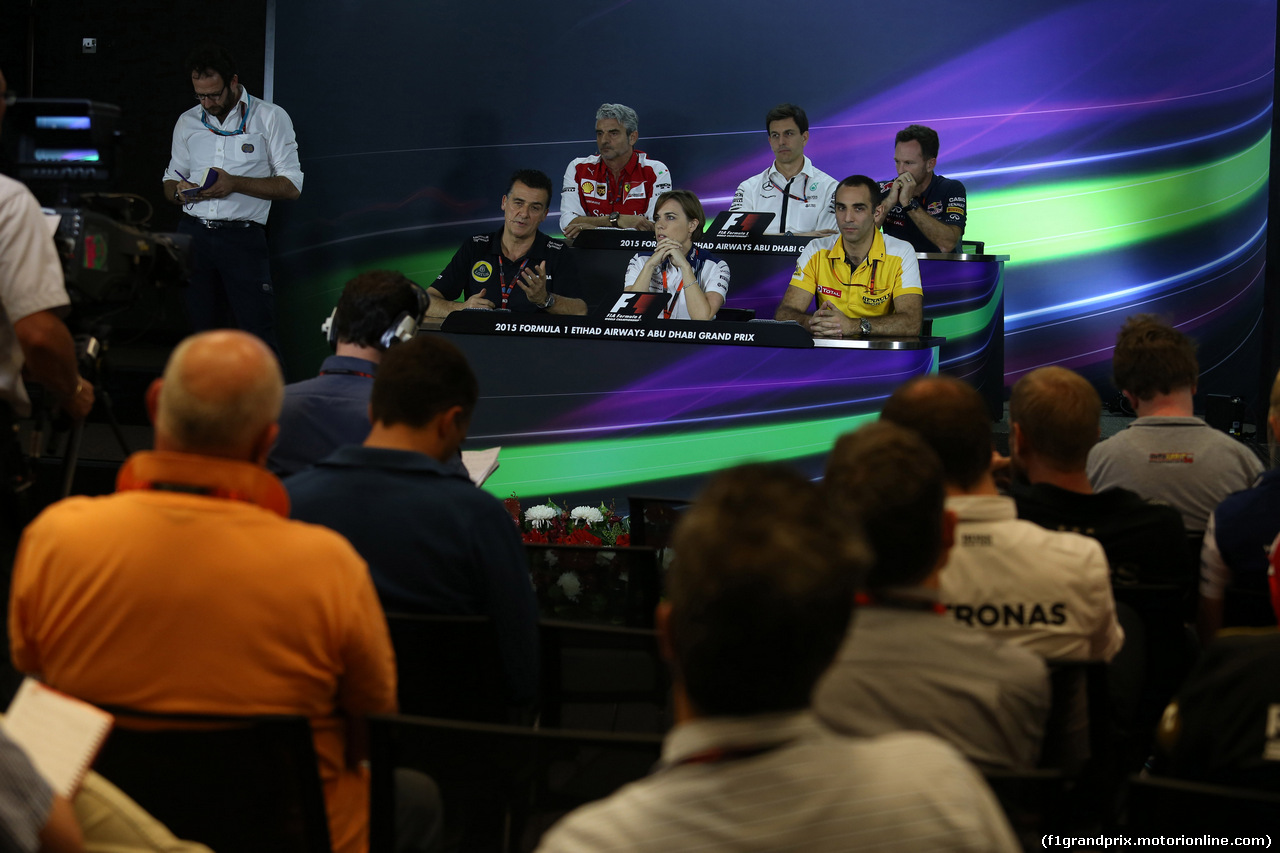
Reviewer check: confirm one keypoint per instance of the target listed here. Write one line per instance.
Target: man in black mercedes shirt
(518, 268)
(921, 207)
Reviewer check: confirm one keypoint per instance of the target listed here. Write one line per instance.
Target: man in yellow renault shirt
(864, 282)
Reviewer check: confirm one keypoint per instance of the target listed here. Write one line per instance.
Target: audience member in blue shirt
(376, 310)
(434, 542)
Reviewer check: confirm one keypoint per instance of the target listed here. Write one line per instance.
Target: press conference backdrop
(1116, 150)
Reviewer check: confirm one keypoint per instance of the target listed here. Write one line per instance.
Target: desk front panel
(590, 420)
(963, 295)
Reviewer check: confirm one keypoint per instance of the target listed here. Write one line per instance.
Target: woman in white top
(700, 281)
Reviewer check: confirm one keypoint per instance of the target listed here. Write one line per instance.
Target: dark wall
(138, 67)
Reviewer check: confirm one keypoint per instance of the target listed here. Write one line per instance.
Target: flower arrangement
(551, 524)
(581, 586)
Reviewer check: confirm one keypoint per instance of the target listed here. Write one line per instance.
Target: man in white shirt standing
(248, 146)
(799, 194)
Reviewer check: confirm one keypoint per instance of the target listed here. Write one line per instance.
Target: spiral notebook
(60, 734)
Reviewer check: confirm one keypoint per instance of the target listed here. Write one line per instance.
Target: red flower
(513, 507)
(535, 536)
(624, 540)
(582, 536)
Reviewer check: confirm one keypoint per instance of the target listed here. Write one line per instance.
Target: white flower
(589, 514)
(570, 584)
(540, 515)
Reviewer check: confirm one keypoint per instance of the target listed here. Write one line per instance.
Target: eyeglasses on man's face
(211, 96)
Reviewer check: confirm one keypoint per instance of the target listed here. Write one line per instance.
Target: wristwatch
(551, 300)
(613, 219)
(864, 327)
(177, 196)
(914, 204)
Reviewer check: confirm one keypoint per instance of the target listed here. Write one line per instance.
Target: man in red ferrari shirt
(616, 188)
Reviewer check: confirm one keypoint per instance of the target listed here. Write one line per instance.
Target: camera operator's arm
(49, 354)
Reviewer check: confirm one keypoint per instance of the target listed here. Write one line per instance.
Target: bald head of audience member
(759, 594)
(1055, 415)
(952, 419)
(885, 476)
(219, 396)
(423, 398)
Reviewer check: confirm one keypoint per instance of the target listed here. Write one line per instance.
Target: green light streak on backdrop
(1045, 222)
(575, 466)
(971, 322)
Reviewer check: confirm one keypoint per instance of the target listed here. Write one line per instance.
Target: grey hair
(620, 113)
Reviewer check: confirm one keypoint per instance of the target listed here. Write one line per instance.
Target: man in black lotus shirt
(518, 268)
(923, 208)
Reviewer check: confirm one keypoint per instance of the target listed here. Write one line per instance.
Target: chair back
(654, 519)
(1078, 729)
(449, 666)
(1165, 806)
(595, 584)
(495, 779)
(603, 665)
(243, 783)
(1034, 801)
(735, 315)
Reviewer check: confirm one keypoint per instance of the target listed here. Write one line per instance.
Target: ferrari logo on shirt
(482, 271)
(626, 188)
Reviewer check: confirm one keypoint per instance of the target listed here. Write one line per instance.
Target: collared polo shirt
(944, 200)
(784, 782)
(590, 188)
(889, 270)
(1047, 591)
(810, 203)
(479, 265)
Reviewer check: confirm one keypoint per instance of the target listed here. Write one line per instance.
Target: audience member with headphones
(377, 310)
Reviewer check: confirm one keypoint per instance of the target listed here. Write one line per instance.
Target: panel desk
(963, 294)
(588, 410)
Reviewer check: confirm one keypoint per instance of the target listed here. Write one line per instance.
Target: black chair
(653, 520)
(1170, 650)
(496, 780)
(591, 665)
(972, 247)
(1032, 800)
(1163, 806)
(598, 585)
(450, 666)
(735, 315)
(1079, 728)
(234, 783)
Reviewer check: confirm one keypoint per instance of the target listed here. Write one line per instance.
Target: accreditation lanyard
(871, 285)
(189, 489)
(244, 118)
(346, 373)
(695, 263)
(721, 754)
(502, 278)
